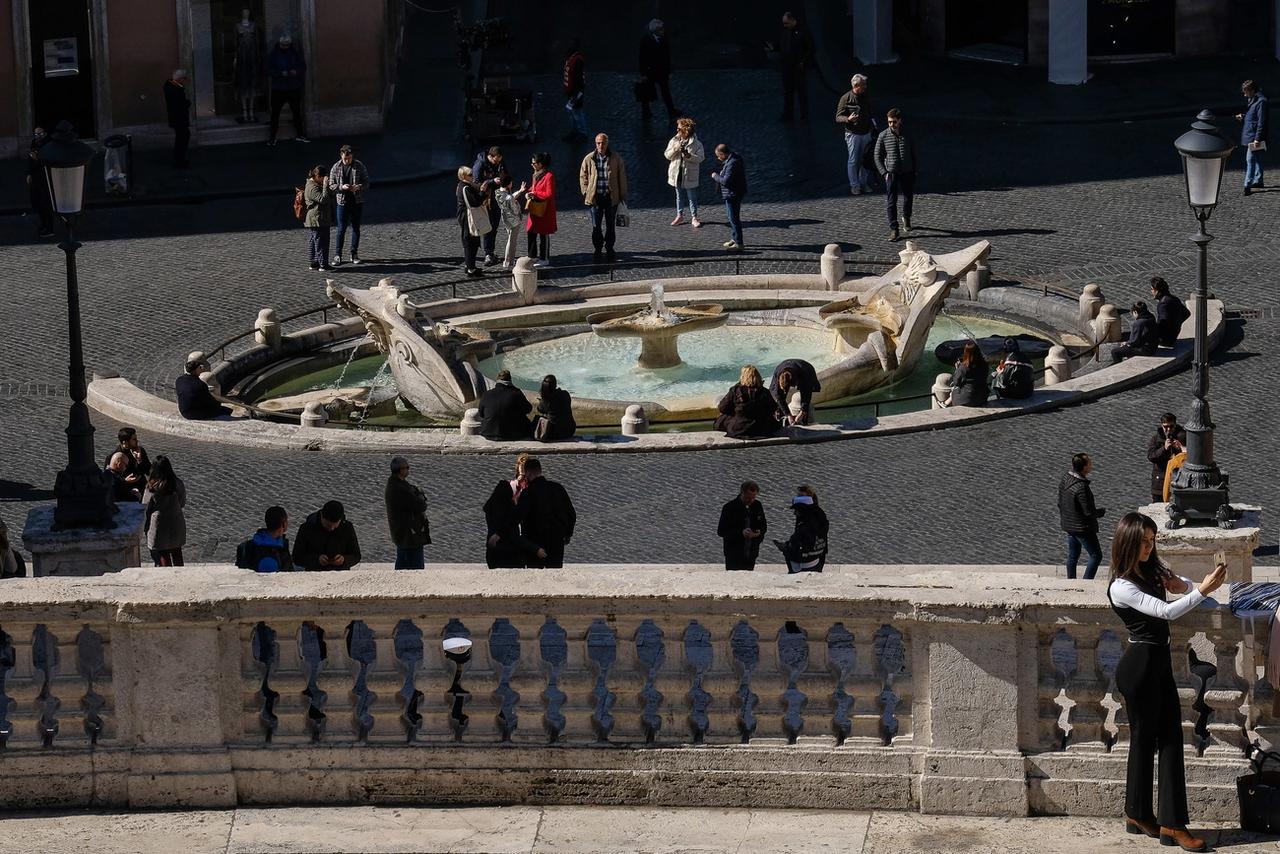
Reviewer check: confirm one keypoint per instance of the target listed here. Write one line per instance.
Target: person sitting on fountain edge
(554, 422)
(504, 411)
(195, 401)
(747, 411)
(801, 376)
(1144, 335)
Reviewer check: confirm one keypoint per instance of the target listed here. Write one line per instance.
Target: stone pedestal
(524, 279)
(634, 421)
(941, 390)
(84, 551)
(1057, 365)
(832, 266)
(1189, 550)
(470, 423)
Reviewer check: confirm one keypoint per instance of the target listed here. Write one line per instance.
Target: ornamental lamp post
(1199, 488)
(83, 491)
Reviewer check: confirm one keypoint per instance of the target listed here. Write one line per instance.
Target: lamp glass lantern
(1204, 153)
(64, 158)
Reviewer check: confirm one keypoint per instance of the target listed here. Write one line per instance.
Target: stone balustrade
(961, 690)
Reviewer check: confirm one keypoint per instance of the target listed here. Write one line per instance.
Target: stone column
(314, 414)
(1068, 41)
(977, 279)
(634, 421)
(873, 31)
(1106, 326)
(832, 266)
(1057, 365)
(470, 424)
(1189, 550)
(973, 765)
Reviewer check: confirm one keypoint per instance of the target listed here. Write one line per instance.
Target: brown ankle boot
(1134, 825)
(1180, 837)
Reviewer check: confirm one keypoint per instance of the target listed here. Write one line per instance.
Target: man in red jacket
(575, 85)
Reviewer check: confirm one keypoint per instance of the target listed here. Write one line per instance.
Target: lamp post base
(1208, 504)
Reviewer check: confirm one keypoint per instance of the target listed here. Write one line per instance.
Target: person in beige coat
(602, 178)
(684, 153)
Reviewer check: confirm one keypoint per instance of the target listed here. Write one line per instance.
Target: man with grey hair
(854, 116)
(602, 178)
(406, 516)
(178, 107)
(655, 67)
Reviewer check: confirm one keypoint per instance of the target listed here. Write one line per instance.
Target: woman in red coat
(542, 194)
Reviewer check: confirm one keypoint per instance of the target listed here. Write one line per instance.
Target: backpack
(1013, 380)
(299, 204)
(246, 555)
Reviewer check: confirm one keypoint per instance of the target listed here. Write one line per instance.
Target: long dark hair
(971, 356)
(161, 480)
(548, 387)
(1126, 552)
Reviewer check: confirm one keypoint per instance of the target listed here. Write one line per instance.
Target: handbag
(1259, 795)
(478, 220)
(540, 428)
(622, 217)
(535, 207)
(645, 91)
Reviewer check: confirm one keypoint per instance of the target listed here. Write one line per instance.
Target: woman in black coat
(748, 411)
(467, 195)
(555, 412)
(504, 546)
(969, 385)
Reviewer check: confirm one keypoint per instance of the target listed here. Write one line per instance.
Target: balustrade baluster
(651, 652)
(1065, 660)
(265, 650)
(409, 654)
(362, 650)
(793, 657)
(698, 657)
(8, 655)
(553, 645)
(314, 653)
(745, 643)
(504, 648)
(45, 659)
(842, 658)
(602, 652)
(891, 658)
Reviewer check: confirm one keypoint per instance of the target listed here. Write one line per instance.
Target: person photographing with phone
(1169, 441)
(1137, 593)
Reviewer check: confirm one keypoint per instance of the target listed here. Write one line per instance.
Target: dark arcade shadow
(13, 490)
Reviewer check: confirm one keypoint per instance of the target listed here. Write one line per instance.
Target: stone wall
(953, 690)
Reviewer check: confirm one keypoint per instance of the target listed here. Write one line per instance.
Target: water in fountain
(658, 307)
(379, 379)
(350, 359)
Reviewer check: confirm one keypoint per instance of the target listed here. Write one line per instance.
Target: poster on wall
(61, 57)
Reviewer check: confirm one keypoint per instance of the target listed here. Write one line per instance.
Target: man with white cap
(406, 517)
(287, 70)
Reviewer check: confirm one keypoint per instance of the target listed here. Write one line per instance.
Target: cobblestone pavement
(1061, 204)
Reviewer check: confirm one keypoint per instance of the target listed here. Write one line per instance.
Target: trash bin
(117, 165)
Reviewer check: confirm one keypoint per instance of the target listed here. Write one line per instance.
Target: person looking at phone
(854, 117)
(742, 527)
(1170, 439)
(1253, 134)
(1137, 593)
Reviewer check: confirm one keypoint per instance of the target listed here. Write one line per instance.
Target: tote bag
(478, 220)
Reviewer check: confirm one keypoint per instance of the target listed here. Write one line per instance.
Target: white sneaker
(490, 260)
(337, 259)
(542, 262)
(506, 265)
(355, 260)
(729, 244)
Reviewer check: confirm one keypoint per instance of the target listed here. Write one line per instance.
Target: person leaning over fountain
(406, 516)
(748, 411)
(554, 421)
(546, 516)
(326, 541)
(742, 527)
(806, 549)
(602, 178)
(801, 376)
(195, 401)
(969, 385)
(504, 411)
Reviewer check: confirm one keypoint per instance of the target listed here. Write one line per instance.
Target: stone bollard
(470, 423)
(1057, 365)
(267, 329)
(977, 279)
(832, 266)
(1091, 301)
(634, 421)
(314, 414)
(1106, 326)
(524, 279)
(941, 391)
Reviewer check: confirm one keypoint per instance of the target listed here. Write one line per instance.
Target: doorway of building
(239, 52)
(62, 65)
(1131, 27)
(991, 30)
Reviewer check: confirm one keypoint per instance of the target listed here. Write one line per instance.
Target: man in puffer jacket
(896, 162)
(1079, 516)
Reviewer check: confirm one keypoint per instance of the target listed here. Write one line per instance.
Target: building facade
(101, 64)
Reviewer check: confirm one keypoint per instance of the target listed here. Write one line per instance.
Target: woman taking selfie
(1139, 582)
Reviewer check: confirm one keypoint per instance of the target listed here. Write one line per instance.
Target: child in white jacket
(512, 207)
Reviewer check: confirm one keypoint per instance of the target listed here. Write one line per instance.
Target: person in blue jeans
(348, 180)
(732, 179)
(1253, 134)
(406, 517)
(1079, 516)
(853, 115)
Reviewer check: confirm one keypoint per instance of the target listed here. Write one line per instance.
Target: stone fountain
(657, 327)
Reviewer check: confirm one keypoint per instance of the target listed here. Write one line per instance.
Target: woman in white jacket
(684, 153)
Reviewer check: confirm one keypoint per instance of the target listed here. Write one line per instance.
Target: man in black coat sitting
(504, 411)
(195, 401)
(1144, 337)
(545, 515)
(1171, 312)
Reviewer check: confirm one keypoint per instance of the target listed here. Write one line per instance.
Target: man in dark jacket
(1170, 439)
(195, 401)
(327, 541)
(1253, 134)
(798, 375)
(38, 184)
(732, 179)
(1079, 516)
(406, 516)
(895, 158)
(742, 527)
(137, 463)
(488, 172)
(655, 66)
(806, 549)
(545, 515)
(1171, 312)
(795, 51)
(504, 411)
(854, 117)
(268, 549)
(178, 106)
(287, 72)
(1144, 335)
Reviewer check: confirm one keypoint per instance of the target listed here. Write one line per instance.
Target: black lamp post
(1199, 488)
(82, 489)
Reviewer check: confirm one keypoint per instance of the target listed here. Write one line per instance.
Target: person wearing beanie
(406, 517)
(326, 541)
